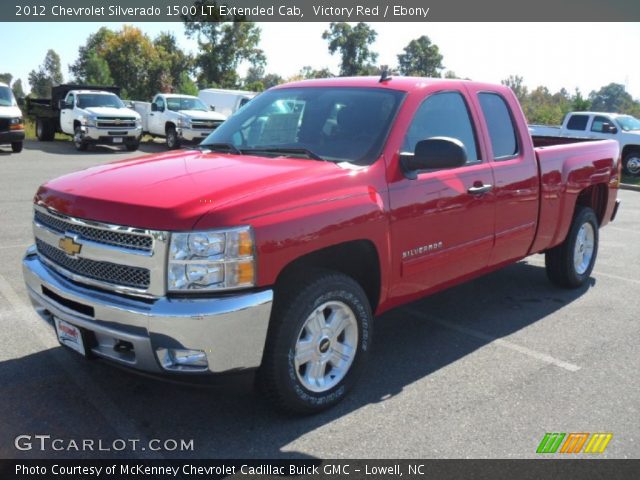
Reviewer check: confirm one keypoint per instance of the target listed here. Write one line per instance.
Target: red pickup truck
(271, 246)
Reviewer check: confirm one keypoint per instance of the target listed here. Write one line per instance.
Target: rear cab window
(578, 122)
(502, 130)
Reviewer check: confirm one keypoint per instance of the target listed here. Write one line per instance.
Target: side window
(442, 115)
(500, 123)
(601, 124)
(160, 103)
(577, 122)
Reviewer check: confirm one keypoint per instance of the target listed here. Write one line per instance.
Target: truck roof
(99, 92)
(174, 95)
(233, 92)
(405, 84)
(3, 84)
(611, 114)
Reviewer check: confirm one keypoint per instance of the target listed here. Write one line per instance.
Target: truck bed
(567, 168)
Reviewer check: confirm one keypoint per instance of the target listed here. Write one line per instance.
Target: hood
(112, 112)
(10, 112)
(200, 115)
(173, 191)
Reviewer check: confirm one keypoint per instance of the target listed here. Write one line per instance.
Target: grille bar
(134, 277)
(106, 237)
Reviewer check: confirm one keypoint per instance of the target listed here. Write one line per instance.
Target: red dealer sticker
(70, 336)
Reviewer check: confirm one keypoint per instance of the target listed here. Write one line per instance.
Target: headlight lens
(15, 121)
(87, 121)
(213, 260)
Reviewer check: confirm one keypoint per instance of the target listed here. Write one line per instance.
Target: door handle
(479, 189)
(151, 114)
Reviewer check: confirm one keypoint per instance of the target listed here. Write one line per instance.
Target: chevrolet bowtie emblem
(69, 246)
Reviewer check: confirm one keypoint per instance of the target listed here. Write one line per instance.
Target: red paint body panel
(298, 206)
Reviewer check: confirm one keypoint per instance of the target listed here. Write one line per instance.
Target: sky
(556, 55)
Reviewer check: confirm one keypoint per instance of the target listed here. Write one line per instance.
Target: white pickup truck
(225, 101)
(92, 115)
(178, 118)
(599, 125)
(11, 123)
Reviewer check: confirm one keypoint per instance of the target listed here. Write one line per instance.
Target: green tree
(223, 44)
(516, 83)
(170, 73)
(579, 103)
(308, 72)
(48, 75)
(86, 69)
(18, 91)
(611, 98)
(97, 71)
(271, 80)
(421, 58)
(353, 44)
(6, 78)
(255, 74)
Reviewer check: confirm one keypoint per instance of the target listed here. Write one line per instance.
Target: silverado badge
(69, 246)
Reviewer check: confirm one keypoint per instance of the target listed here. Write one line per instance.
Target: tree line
(143, 66)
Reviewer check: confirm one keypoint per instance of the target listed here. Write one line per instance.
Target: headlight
(211, 260)
(138, 122)
(15, 121)
(184, 122)
(87, 121)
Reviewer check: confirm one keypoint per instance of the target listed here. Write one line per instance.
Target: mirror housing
(434, 153)
(212, 108)
(62, 104)
(609, 128)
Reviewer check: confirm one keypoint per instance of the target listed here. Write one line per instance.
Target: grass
(30, 131)
(630, 180)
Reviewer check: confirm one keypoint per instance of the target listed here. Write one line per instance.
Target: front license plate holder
(70, 336)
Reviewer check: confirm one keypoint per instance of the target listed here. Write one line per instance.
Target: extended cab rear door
(441, 228)
(515, 170)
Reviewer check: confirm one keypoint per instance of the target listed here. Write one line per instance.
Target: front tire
(631, 163)
(173, 141)
(16, 147)
(570, 264)
(78, 140)
(319, 340)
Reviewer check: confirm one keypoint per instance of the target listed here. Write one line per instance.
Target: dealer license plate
(117, 140)
(70, 336)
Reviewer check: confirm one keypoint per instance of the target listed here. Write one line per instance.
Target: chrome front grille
(133, 277)
(124, 122)
(205, 124)
(99, 235)
(123, 259)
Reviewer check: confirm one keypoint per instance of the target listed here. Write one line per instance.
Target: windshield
(185, 103)
(330, 123)
(628, 122)
(86, 100)
(6, 97)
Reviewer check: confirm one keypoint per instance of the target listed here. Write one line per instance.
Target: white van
(223, 101)
(11, 123)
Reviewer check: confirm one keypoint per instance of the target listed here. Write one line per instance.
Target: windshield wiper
(221, 146)
(286, 151)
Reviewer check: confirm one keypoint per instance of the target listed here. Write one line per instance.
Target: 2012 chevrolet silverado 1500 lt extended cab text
(314, 207)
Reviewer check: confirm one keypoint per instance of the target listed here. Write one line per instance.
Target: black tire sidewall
(80, 146)
(585, 215)
(16, 147)
(341, 289)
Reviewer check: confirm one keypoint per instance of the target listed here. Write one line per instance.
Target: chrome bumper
(193, 134)
(230, 330)
(95, 133)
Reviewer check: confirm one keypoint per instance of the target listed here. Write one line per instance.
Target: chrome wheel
(633, 165)
(326, 346)
(78, 136)
(583, 250)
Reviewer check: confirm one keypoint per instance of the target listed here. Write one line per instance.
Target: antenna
(385, 77)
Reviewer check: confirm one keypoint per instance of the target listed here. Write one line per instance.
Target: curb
(628, 186)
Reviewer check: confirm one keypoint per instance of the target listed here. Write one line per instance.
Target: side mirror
(154, 107)
(20, 101)
(434, 153)
(609, 128)
(62, 104)
(212, 108)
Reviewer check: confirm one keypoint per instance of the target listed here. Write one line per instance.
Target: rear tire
(44, 130)
(16, 147)
(173, 141)
(319, 340)
(631, 163)
(570, 264)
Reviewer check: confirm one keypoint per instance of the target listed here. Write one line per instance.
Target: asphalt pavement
(482, 370)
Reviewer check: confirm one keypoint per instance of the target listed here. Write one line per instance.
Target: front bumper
(193, 134)
(11, 136)
(231, 330)
(108, 135)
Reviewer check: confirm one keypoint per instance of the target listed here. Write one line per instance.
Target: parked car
(11, 122)
(178, 118)
(600, 125)
(226, 102)
(91, 115)
(270, 247)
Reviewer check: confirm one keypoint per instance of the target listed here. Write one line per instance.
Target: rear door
(515, 171)
(440, 229)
